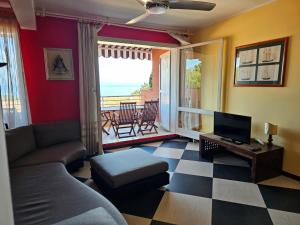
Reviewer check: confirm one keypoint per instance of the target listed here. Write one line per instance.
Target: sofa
(43, 192)
(44, 143)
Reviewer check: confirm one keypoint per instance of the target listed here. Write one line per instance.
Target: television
(236, 128)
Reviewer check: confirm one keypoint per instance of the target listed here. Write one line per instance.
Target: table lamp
(270, 129)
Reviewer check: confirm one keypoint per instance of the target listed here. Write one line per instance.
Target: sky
(190, 63)
(124, 71)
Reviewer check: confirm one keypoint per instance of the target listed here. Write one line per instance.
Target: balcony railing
(108, 101)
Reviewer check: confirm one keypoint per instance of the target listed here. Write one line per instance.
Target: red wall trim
(136, 34)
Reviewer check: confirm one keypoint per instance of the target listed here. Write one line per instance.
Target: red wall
(59, 100)
(50, 100)
(136, 34)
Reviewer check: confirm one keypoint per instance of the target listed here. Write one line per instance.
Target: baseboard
(290, 175)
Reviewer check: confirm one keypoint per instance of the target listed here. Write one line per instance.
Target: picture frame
(59, 64)
(261, 64)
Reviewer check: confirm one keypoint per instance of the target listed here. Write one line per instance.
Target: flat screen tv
(234, 127)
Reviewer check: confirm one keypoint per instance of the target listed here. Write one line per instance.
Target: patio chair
(147, 119)
(105, 119)
(126, 118)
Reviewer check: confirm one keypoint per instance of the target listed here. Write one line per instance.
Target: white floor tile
(135, 220)
(84, 171)
(238, 192)
(192, 146)
(284, 218)
(184, 209)
(195, 168)
(153, 144)
(282, 181)
(118, 149)
(172, 153)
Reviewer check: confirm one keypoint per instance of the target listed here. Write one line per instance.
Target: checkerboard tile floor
(203, 192)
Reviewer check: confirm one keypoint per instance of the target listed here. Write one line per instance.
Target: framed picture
(59, 64)
(261, 64)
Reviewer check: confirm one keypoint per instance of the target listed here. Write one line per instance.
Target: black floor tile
(225, 213)
(174, 144)
(232, 172)
(172, 163)
(194, 156)
(149, 149)
(154, 222)
(140, 204)
(183, 139)
(281, 198)
(191, 185)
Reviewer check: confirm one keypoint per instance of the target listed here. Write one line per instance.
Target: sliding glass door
(199, 87)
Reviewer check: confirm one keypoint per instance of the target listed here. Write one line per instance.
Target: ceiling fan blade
(139, 18)
(142, 2)
(192, 5)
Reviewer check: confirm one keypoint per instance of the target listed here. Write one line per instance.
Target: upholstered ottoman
(128, 171)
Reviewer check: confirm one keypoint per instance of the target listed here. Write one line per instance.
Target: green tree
(193, 77)
(145, 86)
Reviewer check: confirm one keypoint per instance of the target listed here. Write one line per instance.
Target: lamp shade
(3, 64)
(271, 129)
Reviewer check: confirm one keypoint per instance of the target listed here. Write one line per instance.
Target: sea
(118, 89)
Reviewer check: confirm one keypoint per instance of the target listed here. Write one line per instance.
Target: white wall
(6, 212)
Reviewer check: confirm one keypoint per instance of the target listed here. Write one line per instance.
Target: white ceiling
(124, 10)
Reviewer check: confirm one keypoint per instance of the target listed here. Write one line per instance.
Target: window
(13, 94)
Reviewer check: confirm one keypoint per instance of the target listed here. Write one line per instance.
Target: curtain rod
(107, 21)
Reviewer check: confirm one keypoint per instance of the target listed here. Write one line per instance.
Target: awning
(125, 52)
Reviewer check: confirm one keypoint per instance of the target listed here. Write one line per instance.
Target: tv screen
(235, 127)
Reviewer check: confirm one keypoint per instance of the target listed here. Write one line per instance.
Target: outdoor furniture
(125, 119)
(146, 122)
(105, 119)
(128, 171)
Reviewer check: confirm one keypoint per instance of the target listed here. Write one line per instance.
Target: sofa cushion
(64, 153)
(124, 167)
(98, 216)
(47, 194)
(19, 141)
(56, 133)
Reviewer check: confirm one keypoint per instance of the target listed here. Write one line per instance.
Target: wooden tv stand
(266, 161)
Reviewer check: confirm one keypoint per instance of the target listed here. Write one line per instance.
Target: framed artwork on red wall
(261, 64)
(58, 64)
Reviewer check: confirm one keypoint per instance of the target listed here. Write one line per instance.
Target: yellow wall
(278, 105)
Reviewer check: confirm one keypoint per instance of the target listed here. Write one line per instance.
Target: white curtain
(14, 102)
(89, 88)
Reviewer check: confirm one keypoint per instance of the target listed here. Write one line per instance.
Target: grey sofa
(43, 191)
(44, 143)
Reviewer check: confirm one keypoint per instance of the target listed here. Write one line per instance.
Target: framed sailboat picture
(58, 64)
(261, 64)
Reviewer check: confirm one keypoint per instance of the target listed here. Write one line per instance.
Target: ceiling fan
(156, 7)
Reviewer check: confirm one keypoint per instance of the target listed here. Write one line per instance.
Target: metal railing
(108, 101)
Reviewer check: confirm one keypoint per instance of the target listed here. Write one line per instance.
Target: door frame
(182, 131)
(169, 98)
